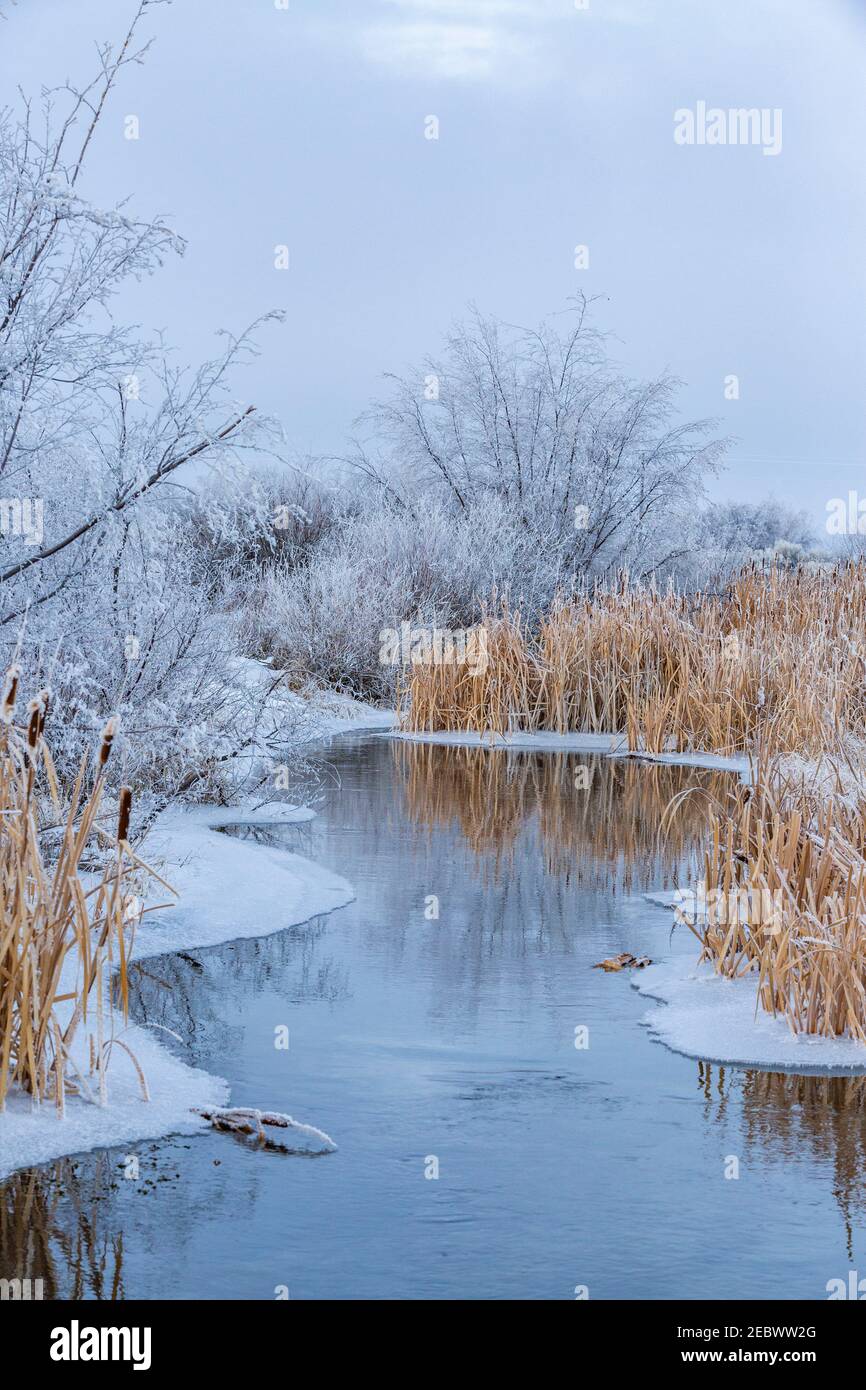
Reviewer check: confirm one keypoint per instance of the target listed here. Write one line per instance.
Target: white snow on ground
(229, 888)
(705, 1016)
(30, 1135)
(312, 713)
(270, 813)
(577, 743)
(612, 744)
(712, 761)
(340, 714)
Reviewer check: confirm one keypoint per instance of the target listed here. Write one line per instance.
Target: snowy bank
(340, 714)
(36, 1134)
(229, 889)
(612, 745)
(312, 713)
(705, 1016)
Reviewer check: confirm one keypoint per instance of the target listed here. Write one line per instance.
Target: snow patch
(612, 744)
(37, 1134)
(229, 889)
(340, 714)
(717, 1020)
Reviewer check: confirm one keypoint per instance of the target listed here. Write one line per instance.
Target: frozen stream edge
(713, 1019)
(230, 889)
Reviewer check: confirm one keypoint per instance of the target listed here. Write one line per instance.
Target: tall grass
(777, 661)
(773, 666)
(62, 932)
(785, 902)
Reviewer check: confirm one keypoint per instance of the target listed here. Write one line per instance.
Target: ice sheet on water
(613, 744)
(703, 1015)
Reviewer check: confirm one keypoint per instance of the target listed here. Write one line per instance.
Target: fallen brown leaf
(624, 961)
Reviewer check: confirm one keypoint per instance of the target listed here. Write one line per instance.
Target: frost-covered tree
(585, 460)
(518, 464)
(100, 585)
(727, 534)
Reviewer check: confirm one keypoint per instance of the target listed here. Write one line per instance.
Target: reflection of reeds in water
(604, 835)
(50, 1230)
(785, 1117)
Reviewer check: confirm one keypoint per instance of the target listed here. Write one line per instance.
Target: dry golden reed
(60, 935)
(777, 661)
(785, 901)
(773, 665)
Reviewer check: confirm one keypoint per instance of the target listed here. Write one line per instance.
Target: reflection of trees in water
(51, 1228)
(521, 858)
(605, 836)
(505, 837)
(184, 992)
(784, 1117)
(90, 1229)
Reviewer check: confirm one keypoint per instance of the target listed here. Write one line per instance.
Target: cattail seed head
(41, 704)
(10, 690)
(125, 809)
(37, 710)
(108, 734)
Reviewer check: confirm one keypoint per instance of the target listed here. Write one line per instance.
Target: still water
(427, 1044)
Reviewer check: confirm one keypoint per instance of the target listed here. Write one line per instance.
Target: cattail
(123, 817)
(37, 708)
(108, 735)
(10, 690)
(53, 923)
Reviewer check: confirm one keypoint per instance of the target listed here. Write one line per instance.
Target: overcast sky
(305, 126)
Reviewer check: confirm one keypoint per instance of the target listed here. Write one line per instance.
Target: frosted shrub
(323, 620)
